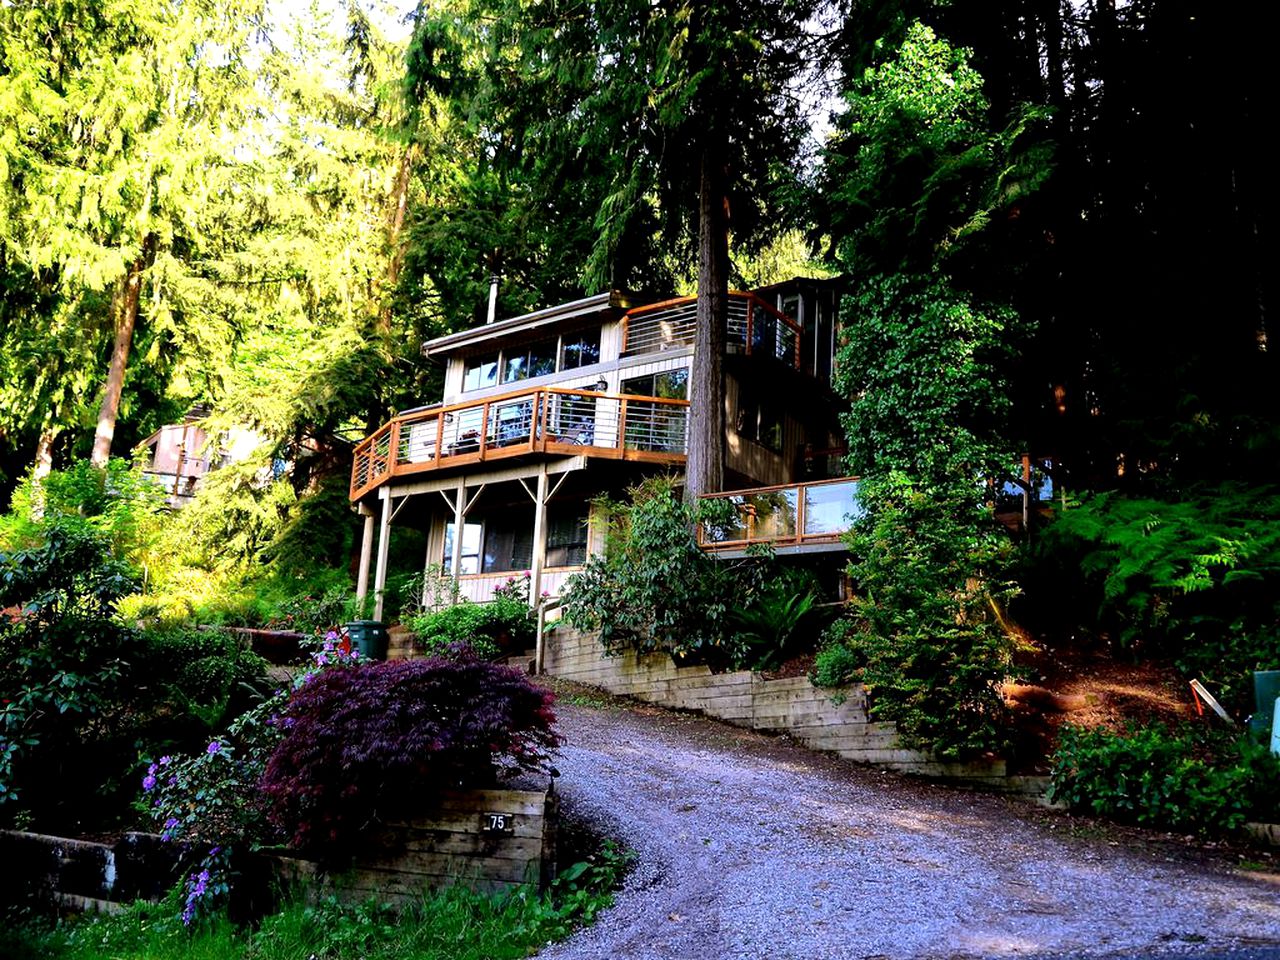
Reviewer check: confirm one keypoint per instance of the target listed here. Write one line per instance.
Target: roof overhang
(613, 300)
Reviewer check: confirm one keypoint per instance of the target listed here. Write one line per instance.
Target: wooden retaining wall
(458, 842)
(85, 874)
(820, 718)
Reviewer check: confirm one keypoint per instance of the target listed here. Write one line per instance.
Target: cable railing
(754, 327)
(543, 420)
(817, 512)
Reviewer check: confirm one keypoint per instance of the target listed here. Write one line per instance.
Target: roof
(549, 316)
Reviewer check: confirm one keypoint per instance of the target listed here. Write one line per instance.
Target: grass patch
(454, 924)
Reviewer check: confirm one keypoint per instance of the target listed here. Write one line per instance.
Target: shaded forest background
(273, 219)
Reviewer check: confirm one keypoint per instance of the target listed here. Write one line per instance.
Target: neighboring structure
(180, 454)
(544, 412)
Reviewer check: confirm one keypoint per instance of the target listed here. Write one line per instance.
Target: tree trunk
(124, 309)
(395, 226)
(704, 471)
(43, 467)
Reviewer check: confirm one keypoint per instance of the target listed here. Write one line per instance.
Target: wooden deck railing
(543, 420)
(754, 325)
(816, 512)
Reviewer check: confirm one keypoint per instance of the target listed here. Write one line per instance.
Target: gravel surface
(750, 847)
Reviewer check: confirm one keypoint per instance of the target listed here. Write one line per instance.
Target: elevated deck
(542, 421)
(793, 518)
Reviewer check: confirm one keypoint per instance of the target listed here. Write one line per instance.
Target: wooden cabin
(544, 412)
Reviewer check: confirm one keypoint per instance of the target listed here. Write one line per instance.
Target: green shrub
(838, 663)
(208, 674)
(653, 588)
(1192, 780)
(503, 625)
(932, 647)
(84, 695)
(64, 722)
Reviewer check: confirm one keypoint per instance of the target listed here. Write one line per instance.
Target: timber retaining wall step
(831, 719)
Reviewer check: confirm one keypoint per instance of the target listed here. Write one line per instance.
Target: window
(758, 421)
(522, 363)
(502, 542)
(508, 542)
(580, 349)
(566, 535)
(471, 533)
(517, 362)
(671, 385)
(480, 372)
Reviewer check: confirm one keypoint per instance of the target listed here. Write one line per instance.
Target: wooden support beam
(539, 539)
(366, 556)
(384, 550)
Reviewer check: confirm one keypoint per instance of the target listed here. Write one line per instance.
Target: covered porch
(528, 520)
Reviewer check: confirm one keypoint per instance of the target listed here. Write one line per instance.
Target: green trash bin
(369, 638)
(1266, 688)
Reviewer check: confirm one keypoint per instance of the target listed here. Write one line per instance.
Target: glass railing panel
(731, 530)
(830, 508)
(775, 514)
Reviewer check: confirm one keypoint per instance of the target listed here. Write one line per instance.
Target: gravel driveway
(750, 847)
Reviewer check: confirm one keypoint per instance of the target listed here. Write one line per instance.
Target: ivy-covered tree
(916, 175)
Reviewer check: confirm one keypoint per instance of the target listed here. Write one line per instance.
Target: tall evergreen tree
(675, 123)
(119, 132)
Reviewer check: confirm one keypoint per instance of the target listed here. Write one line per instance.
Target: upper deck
(601, 377)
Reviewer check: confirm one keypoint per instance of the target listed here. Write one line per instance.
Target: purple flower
(165, 761)
(214, 747)
(148, 783)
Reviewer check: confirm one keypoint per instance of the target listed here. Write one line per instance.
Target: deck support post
(459, 523)
(539, 538)
(384, 550)
(366, 556)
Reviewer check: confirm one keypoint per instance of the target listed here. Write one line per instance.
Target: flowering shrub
(213, 800)
(363, 743)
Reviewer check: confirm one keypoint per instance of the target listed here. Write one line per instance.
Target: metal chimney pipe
(493, 298)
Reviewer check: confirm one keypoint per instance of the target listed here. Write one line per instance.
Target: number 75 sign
(497, 822)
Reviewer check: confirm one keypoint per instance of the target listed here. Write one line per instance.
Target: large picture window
(480, 372)
(670, 385)
(520, 362)
(471, 538)
(580, 349)
(537, 360)
(502, 542)
(508, 542)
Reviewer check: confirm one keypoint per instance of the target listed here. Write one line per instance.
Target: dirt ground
(750, 847)
(1091, 688)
